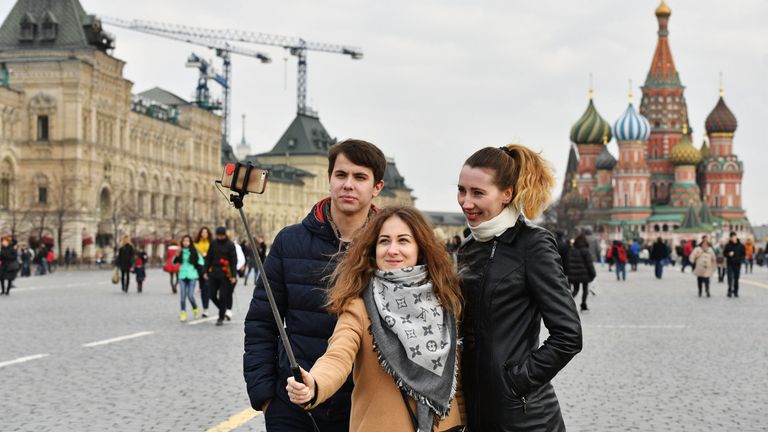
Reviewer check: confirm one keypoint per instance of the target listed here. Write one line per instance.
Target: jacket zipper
(522, 398)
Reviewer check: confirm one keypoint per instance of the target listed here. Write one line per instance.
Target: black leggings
(585, 291)
(125, 279)
(9, 283)
(703, 282)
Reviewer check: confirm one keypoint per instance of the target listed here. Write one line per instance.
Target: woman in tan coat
(704, 263)
(397, 298)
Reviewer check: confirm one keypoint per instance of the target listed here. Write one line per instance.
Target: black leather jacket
(510, 284)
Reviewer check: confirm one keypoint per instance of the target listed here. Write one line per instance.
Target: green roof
(69, 27)
(691, 220)
(666, 218)
(305, 136)
(393, 180)
(156, 94)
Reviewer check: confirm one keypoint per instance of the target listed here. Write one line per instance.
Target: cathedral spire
(663, 72)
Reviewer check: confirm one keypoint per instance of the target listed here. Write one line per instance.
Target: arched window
(656, 228)
(105, 204)
(665, 228)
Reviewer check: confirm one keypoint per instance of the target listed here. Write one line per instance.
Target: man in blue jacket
(299, 261)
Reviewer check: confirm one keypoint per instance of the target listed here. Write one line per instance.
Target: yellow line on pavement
(236, 420)
(755, 283)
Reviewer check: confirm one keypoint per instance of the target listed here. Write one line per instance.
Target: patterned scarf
(414, 338)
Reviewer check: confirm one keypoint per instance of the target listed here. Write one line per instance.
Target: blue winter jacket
(299, 260)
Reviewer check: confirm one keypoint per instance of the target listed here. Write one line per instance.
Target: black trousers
(125, 279)
(720, 274)
(734, 271)
(220, 291)
(703, 282)
(204, 292)
(585, 291)
(284, 417)
(6, 283)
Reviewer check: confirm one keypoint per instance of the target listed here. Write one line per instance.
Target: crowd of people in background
(215, 264)
(704, 258)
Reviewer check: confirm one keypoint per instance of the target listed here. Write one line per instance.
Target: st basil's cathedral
(661, 185)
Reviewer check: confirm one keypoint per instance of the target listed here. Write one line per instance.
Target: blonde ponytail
(535, 178)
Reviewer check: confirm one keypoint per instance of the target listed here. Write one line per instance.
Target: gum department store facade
(83, 159)
(661, 185)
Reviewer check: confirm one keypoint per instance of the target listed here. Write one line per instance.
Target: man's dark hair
(361, 153)
(732, 234)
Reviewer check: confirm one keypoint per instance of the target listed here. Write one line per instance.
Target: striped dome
(605, 160)
(721, 119)
(684, 153)
(631, 126)
(591, 128)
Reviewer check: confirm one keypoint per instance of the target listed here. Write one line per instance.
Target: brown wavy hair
(530, 176)
(354, 272)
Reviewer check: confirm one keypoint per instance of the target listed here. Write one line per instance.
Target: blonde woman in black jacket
(512, 278)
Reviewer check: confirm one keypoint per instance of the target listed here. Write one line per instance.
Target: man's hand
(233, 280)
(205, 276)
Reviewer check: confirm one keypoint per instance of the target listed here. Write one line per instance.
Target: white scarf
(495, 227)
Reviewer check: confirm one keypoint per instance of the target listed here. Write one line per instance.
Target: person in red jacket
(618, 253)
(171, 268)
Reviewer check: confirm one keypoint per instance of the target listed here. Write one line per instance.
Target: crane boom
(295, 45)
(287, 42)
(223, 50)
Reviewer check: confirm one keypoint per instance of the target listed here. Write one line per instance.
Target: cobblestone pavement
(656, 358)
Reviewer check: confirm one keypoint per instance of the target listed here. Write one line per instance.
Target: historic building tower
(589, 134)
(601, 196)
(722, 170)
(685, 191)
(661, 184)
(631, 200)
(663, 104)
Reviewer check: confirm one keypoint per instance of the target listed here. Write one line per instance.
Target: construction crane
(202, 92)
(296, 46)
(223, 50)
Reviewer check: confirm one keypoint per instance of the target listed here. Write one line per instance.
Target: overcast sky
(442, 78)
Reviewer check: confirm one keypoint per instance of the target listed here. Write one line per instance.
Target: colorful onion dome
(631, 126)
(591, 128)
(663, 10)
(684, 153)
(605, 160)
(721, 119)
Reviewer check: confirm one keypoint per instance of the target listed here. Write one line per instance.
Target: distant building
(661, 185)
(84, 160)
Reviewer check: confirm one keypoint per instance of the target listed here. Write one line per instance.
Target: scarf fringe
(441, 412)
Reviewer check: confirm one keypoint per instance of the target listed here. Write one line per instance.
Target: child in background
(140, 270)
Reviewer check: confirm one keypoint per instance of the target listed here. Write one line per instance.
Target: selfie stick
(237, 201)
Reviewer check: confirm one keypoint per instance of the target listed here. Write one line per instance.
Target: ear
(377, 188)
(507, 195)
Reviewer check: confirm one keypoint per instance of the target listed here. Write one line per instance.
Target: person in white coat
(704, 264)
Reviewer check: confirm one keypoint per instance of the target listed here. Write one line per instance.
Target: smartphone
(257, 181)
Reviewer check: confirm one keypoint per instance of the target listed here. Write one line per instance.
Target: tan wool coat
(704, 260)
(377, 404)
